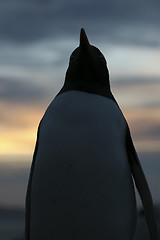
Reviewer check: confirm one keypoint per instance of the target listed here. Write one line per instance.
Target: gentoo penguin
(80, 184)
(141, 229)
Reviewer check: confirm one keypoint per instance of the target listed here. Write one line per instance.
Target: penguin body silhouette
(80, 184)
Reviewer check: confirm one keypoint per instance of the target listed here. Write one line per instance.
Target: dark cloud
(123, 21)
(21, 91)
(152, 132)
(13, 180)
(132, 81)
(139, 92)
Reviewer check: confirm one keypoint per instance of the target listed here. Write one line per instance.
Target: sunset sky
(36, 40)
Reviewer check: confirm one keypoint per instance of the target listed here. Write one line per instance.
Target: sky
(36, 40)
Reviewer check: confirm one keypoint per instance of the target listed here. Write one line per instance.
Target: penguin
(81, 183)
(141, 229)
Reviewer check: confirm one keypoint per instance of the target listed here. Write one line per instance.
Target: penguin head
(87, 69)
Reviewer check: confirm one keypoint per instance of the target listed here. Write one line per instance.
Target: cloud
(147, 128)
(13, 182)
(37, 37)
(133, 22)
(137, 92)
(154, 131)
(20, 91)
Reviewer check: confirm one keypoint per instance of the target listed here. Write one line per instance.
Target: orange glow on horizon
(18, 128)
(18, 142)
(19, 132)
(19, 124)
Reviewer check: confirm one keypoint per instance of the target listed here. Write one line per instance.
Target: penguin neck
(89, 87)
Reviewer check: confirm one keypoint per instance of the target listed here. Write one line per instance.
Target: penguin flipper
(142, 187)
(28, 195)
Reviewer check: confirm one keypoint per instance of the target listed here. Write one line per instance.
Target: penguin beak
(83, 39)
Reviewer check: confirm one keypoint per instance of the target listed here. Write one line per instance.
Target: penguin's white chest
(82, 186)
